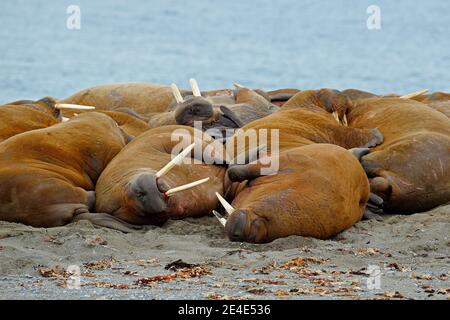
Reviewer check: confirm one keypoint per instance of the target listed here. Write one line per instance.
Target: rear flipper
(374, 208)
(108, 221)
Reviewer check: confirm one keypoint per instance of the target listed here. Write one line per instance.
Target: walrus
(411, 169)
(48, 176)
(318, 191)
(214, 110)
(143, 98)
(299, 127)
(25, 115)
(16, 118)
(142, 185)
(323, 100)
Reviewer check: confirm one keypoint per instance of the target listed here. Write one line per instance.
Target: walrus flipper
(360, 138)
(108, 221)
(374, 207)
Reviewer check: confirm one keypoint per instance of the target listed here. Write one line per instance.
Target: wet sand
(411, 252)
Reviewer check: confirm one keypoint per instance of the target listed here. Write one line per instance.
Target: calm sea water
(259, 43)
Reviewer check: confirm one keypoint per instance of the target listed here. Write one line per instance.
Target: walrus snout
(147, 193)
(242, 226)
(194, 109)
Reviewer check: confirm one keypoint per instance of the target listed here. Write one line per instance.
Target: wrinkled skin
(143, 98)
(23, 116)
(319, 191)
(411, 169)
(47, 176)
(128, 188)
(217, 111)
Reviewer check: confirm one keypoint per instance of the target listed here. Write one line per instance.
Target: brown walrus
(322, 100)
(143, 98)
(22, 116)
(138, 185)
(411, 169)
(214, 110)
(299, 127)
(318, 191)
(48, 176)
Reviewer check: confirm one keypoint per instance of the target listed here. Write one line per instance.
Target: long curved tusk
(228, 207)
(176, 93)
(344, 120)
(219, 217)
(175, 161)
(60, 106)
(336, 116)
(191, 185)
(414, 94)
(195, 89)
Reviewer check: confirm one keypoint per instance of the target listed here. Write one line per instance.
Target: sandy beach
(192, 259)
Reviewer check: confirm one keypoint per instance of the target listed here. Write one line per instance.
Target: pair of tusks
(177, 94)
(228, 208)
(176, 161)
(344, 118)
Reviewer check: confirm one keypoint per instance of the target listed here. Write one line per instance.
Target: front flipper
(108, 221)
(374, 208)
(359, 138)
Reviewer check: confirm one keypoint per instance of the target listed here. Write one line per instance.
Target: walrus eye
(141, 195)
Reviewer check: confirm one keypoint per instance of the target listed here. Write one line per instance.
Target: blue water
(266, 44)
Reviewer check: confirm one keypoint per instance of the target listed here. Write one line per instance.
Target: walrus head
(196, 108)
(149, 194)
(336, 103)
(145, 195)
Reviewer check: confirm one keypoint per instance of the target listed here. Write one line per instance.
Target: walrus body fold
(130, 189)
(319, 191)
(411, 169)
(48, 176)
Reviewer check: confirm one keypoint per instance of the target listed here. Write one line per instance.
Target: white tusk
(176, 93)
(344, 120)
(175, 161)
(221, 219)
(336, 116)
(228, 207)
(195, 89)
(238, 86)
(64, 119)
(60, 106)
(191, 185)
(414, 94)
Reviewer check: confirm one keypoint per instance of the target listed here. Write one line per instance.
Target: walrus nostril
(236, 231)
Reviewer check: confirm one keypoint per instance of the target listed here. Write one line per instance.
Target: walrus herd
(267, 164)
